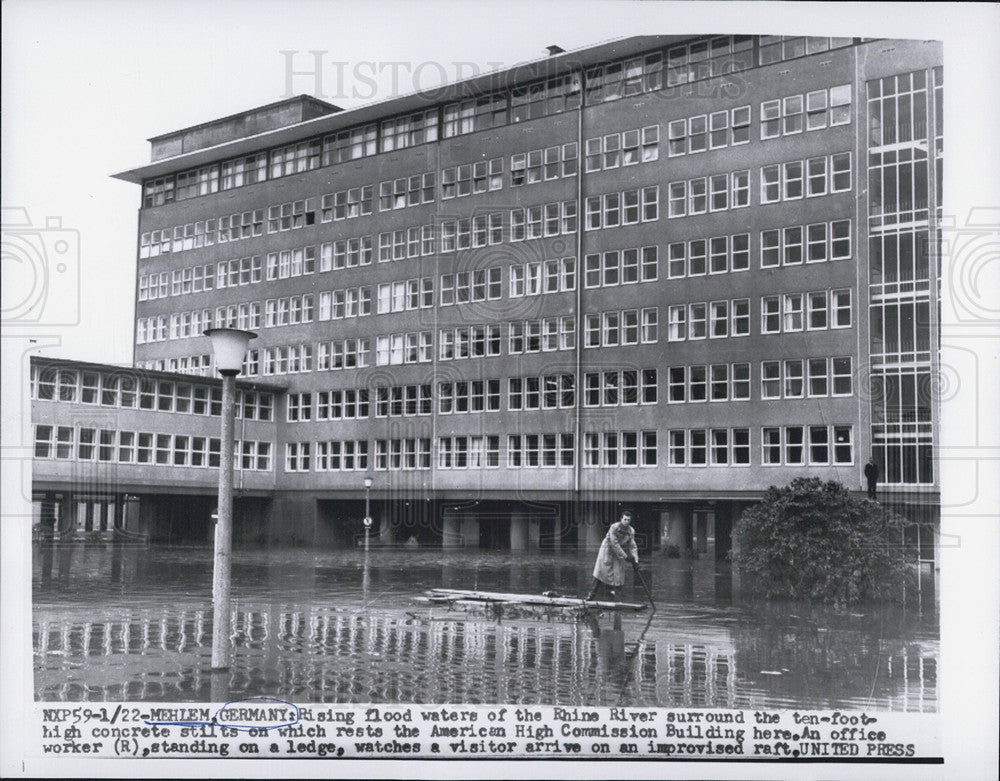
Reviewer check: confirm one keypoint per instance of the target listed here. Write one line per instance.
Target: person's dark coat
(617, 549)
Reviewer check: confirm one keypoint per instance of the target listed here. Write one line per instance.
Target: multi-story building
(664, 271)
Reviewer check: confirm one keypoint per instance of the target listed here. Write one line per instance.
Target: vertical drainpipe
(435, 222)
(577, 380)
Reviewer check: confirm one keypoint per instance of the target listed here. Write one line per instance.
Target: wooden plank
(532, 599)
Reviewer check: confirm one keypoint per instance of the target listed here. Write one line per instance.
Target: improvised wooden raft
(495, 604)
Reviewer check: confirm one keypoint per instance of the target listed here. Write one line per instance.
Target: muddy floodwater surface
(121, 623)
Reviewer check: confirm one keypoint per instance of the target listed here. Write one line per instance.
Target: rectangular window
(794, 445)
(843, 376)
(793, 385)
(819, 380)
(843, 445)
(817, 316)
(819, 445)
(841, 308)
(770, 446)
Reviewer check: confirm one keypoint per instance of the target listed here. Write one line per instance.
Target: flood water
(135, 624)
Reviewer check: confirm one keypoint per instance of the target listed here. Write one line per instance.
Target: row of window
(621, 327)
(619, 448)
(717, 255)
(717, 319)
(790, 379)
(683, 64)
(406, 191)
(482, 176)
(719, 129)
(715, 382)
(814, 110)
(703, 194)
(346, 303)
(131, 391)
(805, 178)
(792, 245)
(780, 445)
(290, 310)
(613, 210)
(184, 364)
(812, 377)
(550, 391)
(786, 313)
(814, 311)
(813, 243)
(619, 387)
(629, 147)
(620, 267)
(543, 165)
(203, 233)
(779, 182)
(83, 443)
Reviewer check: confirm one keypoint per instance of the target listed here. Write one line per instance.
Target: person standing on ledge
(617, 548)
(871, 475)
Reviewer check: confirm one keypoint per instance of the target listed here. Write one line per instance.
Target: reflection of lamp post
(230, 346)
(368, 514)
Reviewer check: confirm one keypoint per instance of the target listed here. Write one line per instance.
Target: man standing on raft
(617, 547)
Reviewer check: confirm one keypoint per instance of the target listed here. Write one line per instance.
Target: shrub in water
(813, 541)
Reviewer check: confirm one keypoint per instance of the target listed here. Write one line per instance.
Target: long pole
(368, 515)
(224, 530)
(643, 581)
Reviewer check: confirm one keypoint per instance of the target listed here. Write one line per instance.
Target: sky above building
(85, 84)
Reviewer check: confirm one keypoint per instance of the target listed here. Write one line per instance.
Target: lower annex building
(663, 271)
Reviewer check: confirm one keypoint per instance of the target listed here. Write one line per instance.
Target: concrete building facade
(666, 272)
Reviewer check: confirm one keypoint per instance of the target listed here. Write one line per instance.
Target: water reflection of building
(668, 271)
(339, 656)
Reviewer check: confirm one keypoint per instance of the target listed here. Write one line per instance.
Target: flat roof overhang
(546, 67)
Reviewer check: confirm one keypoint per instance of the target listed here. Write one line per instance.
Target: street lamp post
(230, 346)
(368, 513)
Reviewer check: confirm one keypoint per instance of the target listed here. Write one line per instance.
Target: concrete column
(676, 527)
(593, 530)
(451, 532)
(723, 529)
(470, 531)
(701, 532)
(557, 533)
(518, 532)
(385, 531)
(534, 533)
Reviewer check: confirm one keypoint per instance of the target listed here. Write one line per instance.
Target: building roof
(69, 363)
(545, 67)
(281, 113)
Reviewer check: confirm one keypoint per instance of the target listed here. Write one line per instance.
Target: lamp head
(230, 347)
(368, 482)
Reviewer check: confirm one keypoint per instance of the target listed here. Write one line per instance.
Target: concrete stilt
(723, 529)
(470, 531)
(534, 533)
(385, 531)
(518, 532)
(594, 530)
(701, 532)
(451, 532)
(557, 540)
(676, 527)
